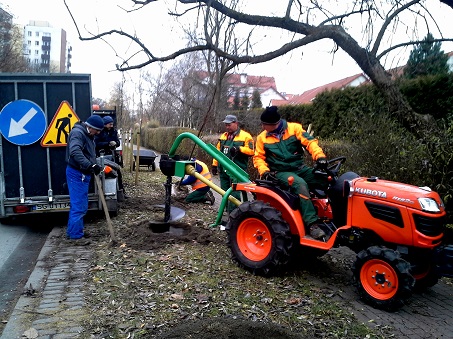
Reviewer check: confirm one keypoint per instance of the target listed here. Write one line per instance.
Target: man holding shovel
(81, 165)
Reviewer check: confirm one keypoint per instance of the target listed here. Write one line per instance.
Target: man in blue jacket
(81, 165)
(106, 142)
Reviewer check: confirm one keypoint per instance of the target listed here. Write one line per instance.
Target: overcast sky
(294, 73)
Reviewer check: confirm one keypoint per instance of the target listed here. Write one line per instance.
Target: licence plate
(52, 206)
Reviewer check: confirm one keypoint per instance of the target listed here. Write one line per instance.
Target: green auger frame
(172, 165)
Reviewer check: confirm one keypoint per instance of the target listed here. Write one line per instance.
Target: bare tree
(120, 101)
(301, 23)
(165, 95)
(11, 58)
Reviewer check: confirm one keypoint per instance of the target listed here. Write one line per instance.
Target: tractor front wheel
(382, 278)
(259, 238)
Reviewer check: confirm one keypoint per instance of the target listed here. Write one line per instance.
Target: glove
(178, 185)
(214, 170)
(321, 164)
(96, 169)
(112, 143)
(269, 176)
(234, 151)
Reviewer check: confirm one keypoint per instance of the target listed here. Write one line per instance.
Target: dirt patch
(228, 328)
(151, 233)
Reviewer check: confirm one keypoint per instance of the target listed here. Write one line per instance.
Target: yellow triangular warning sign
(57, 133)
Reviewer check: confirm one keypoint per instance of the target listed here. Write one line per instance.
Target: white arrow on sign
(17, 127)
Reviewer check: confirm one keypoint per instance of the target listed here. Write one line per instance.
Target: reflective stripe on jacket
(204, 172)
(242, 140)
(287, 153)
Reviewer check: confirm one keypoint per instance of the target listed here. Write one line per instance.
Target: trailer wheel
(153, 167)
(259, 238)
(382, 278)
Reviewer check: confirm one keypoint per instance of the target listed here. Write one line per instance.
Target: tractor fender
(292, 216)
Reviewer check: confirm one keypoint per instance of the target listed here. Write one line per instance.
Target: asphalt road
(20, 244)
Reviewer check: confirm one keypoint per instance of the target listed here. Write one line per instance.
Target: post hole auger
(172, 165)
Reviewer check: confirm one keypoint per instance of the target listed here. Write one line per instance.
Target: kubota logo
(374, 193)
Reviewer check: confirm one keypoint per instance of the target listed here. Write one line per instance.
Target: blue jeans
(78, 184)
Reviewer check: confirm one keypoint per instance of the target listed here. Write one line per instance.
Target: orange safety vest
(204, 172)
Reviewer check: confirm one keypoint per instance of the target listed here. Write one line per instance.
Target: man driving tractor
(279, 154)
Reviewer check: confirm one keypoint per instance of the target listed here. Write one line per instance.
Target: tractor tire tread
(279, 257)
(406, 281)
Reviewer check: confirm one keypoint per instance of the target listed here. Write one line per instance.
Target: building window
(36, 52)
(36, 43)
(29, 42)
(36, 61)
(29, 33)
(37, 33)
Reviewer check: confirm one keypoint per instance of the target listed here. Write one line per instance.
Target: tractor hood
(396, 192)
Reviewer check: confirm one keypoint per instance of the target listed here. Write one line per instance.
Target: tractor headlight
(428, 205)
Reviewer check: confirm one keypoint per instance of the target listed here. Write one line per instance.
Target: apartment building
(46, 48)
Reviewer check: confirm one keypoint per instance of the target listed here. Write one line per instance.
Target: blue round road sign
(22, 122)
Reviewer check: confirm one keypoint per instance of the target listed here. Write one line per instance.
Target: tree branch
(410, 43)
(387, 22)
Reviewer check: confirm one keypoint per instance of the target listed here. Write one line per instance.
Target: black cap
(270, 115)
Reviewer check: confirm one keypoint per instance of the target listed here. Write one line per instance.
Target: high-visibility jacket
(285, 152)
(204, 172)
(243, 141)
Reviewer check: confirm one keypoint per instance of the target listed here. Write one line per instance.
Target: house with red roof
(244, 85)
(352, 81)
(308, 96)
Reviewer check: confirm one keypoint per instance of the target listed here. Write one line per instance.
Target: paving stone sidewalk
(53, 302)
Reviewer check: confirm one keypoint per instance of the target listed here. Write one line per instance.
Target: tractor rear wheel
(382, 278)
(259, 238)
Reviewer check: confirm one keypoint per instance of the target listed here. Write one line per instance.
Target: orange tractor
(396, 230)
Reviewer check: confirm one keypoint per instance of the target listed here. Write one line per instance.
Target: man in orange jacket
(238, 145)
(200, 191)
(279, 153)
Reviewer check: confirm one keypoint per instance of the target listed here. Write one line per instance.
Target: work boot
(316, 232)
(210, 197)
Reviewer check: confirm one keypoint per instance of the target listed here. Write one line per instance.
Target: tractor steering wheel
(333, 167)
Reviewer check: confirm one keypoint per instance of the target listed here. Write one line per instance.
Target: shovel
(106, 211)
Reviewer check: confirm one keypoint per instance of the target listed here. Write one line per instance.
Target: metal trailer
(32, 159)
